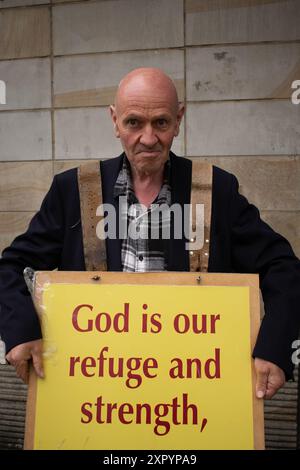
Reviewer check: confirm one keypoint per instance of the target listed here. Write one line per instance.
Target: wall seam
(52, 87)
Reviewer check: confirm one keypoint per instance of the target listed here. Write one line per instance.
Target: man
(146, 117)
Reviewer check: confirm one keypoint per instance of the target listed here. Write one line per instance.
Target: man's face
(146, 120)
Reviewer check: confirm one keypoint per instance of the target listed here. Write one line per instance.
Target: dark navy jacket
(239, 242)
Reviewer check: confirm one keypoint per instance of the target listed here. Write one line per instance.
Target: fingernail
(41, 374)
(260, 394)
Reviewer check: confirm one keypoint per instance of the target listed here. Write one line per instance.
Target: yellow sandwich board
(146, 361)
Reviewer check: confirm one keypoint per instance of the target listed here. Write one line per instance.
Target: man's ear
(179, 117)
(113, 115)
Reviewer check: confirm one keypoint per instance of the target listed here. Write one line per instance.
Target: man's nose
(148, 137)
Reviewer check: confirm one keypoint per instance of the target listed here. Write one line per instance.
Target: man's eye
(162, 122)
(132, 122)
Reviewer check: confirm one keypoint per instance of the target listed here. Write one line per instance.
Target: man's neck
(146, 186)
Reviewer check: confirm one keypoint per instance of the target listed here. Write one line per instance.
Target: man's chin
(149, 165)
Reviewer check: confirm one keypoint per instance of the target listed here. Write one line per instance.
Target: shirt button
(141, 257)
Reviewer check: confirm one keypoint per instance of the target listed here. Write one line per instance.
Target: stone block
(117, 26)
(25, 135)
(92, 80)
(24, 32)
(87, 133)
(22, 3)
(243, 128)
(23, 185)
(237, 21)
(28, 83)
(271, 183)
(242, 72)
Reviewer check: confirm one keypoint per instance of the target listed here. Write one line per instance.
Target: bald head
(146, 118)
(150, 84)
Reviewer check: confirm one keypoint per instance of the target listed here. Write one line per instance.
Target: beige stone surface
(23, 185)
(236, 21)
(243, 128)
(271, 183)
(117, 25)
(242, 72)
(85, 133)
(24, 32)
(67, 1)
(25, 135)
(88, 133)
(64, 165)
(22, 3)
(28, 83)
(92, 80)
(12, 224)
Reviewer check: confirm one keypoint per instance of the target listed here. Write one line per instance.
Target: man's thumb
(261, 383)
(37, 360)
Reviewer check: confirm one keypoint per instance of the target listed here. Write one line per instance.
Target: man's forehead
(153, 110)
(145, 103)
(149, 90)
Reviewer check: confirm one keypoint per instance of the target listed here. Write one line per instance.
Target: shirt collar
(123, 181)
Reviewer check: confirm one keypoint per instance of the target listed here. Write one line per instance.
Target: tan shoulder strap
(90, 191)
(201, 193)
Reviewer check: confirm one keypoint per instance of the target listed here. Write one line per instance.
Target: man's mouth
(149, 153)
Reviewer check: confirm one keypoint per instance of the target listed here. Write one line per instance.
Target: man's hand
(20, 356)
(269, 378)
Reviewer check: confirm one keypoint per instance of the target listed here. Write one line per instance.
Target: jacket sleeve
(40, 248)
(256, 248)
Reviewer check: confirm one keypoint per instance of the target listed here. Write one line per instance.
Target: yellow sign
(145, 367)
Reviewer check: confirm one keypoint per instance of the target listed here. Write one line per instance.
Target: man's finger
(22, 370)
(271, 392)
(269, 378)
(20, 355)
(275, 382)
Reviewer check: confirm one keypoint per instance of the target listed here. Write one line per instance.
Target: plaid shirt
(141, 250)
